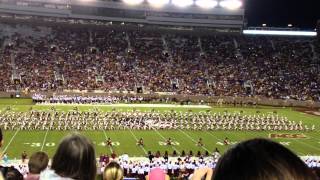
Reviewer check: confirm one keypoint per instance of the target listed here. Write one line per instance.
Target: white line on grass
(105, 135)
(165, 139)
(135, 137)
(301, 142)
(213, 136)
(193, 140)
(44, 139)
(5, 149)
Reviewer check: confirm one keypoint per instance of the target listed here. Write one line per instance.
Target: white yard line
(203, 147)
(44, 140)
(135, 137)
(5, 149)
(105, 135)
(214, 136)
(165, 140)
(301, 142)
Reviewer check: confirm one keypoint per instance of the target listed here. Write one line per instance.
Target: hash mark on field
(105, 135)
(203, 147)
(5, 149)
(165, 140)
(44, 139)
(135, 137)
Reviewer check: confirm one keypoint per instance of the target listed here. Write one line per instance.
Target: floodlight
(133, 2)
(280, 33)
(158, 3)
(231, 4)
(206, 3)
(182, 3)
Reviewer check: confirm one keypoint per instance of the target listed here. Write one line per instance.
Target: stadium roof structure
(183, 13)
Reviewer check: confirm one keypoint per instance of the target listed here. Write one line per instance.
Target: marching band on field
(136, 120)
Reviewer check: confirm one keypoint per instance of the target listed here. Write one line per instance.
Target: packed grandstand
(74, 72)
(53, 58)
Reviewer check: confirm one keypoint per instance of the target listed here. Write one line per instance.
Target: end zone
(287, 136)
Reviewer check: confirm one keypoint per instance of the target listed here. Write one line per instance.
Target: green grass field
(125, 141)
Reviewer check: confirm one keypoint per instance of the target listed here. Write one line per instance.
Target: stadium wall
(188, 98)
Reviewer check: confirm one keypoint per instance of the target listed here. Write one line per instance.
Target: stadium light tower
(206, 4)
(133, 2)
(158, 3)
(182, 3)
(231, 4)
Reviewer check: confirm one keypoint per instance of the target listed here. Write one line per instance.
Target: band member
(109, 142)
(226, 141)
(200, 143)
(24, 156)
(169, 142)
(140, 142)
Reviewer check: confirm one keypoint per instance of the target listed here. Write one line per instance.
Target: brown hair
(1, 137)
(261, 159)
(75, 158)
(38, 162)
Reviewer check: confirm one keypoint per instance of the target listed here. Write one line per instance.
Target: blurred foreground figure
(113, 171)
(261, 159)
(74, 159)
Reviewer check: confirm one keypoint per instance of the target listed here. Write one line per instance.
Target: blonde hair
(113, 171)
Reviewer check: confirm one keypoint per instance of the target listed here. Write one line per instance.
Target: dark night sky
(279, 13)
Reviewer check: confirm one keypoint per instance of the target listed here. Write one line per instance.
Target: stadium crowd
(136, 120)
(65, 58)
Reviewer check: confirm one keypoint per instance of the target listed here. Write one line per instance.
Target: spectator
(1, 138)
(113, 171)
(202, 173)
(10, 173)
(24, 156)
(261, 159)
(74, 159)
(37, 163)
(157, 174)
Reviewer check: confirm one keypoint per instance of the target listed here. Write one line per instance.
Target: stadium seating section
(56, 58)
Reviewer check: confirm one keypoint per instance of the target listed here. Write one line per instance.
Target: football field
(124, 141)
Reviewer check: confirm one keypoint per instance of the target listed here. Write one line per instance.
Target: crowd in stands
(96, 120)
(42, 58)
(249, 160)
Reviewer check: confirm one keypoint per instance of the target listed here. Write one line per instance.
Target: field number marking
(38, 144)
(222, 143)
(173, 143)
(52, 144)
(285, 143)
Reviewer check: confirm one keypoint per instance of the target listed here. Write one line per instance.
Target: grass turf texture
(125, 141)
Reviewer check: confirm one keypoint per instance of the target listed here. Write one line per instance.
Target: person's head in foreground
(10, 173)
(1, 138)
(261, 159)
(74, 159)
(113, 171)
(37, 163)
(157, 174)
